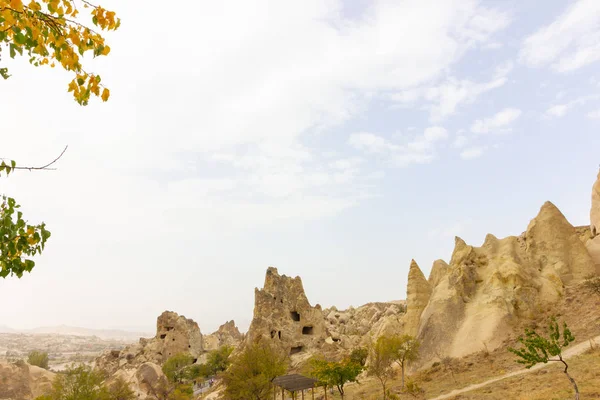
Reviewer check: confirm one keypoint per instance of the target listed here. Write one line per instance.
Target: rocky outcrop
(356, 326)
(139, 364)
(418, 293)
(284, 317)
(489, 288)
(21, 381)
(595, 211)
(439, 270)
(554, 244)
(227, 335)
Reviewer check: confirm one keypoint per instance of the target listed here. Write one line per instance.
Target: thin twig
(45, 167)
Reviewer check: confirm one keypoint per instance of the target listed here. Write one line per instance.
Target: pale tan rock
(21, 381)
(439, 269)
(553, 242)
(418, 292)
(593, 248)
(284, 317)
(595, 211)
(227, 335)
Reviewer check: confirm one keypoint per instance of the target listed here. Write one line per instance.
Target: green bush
(38, 358)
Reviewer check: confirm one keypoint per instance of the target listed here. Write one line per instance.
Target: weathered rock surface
(595, 211)
(488, 288)
(355, 326)
(21, 381)
(227, 335)
(439, 270)
(139, 364)
(418, 292)
(284, 317)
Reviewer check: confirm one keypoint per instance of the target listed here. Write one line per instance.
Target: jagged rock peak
(595, 210)
(418, 292)
(554, 243)
(439, 270)
(284, 317)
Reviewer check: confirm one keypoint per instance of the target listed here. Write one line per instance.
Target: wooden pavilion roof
(294, 382)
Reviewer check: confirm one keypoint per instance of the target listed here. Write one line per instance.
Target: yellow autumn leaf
(16, 5)
(105, 94)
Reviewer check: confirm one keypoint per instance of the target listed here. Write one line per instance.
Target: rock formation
(283, 316)
(488, 288)
(439, 269)
(227, 335)
(139, 364)
(21, 381)
(418, 293)
(595, 211)
(354, 327)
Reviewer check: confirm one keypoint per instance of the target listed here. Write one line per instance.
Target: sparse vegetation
(382, 355)
(592, 285)
(38, 358)
(539, 349)
(406, 350)
(250, 374)
(335, 374)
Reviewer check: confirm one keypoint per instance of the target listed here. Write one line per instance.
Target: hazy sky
(333, 140)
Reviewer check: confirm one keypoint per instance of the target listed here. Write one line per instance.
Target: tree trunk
(402, 365)
(383, 385)
(571, 379)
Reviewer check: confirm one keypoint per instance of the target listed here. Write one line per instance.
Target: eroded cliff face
(284, 317)
(21, 381)
(140, 364)
(418, 293)
(487, 289)
(228, 334)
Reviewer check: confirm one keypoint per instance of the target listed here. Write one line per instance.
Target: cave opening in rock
(164, 335)
(307, 330)
(169, 328)
(295, 350)
(272, 334)
(279, 334)
(295, 316)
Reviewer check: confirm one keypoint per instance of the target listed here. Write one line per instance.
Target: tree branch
(45, 167)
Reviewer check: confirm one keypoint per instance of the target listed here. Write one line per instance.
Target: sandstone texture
(595, 211)
(487, 289)
(139, 364)
(227, 335)
(439, 270)
(418, 293)
(21, 381)
(284, 317)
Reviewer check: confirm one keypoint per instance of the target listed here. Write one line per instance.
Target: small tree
(335, 373)
(406, 349)
(218, 360)
(176, 368)
(38, 358)
(536, 348)
(382, 355)
(360, 355)
(250, 374)
(79, 383)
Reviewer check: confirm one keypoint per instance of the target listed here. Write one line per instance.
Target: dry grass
(579, 309)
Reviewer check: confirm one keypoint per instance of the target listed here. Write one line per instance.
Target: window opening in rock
(272, 334)
(164, 335)
(295, 350)
(195, 360)
(173, 339)
(295, 316)
(169, 328)
(336, 339)
(279, 334)
(189, 346)
(307, 330)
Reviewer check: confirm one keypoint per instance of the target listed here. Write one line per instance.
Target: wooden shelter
(294, 383)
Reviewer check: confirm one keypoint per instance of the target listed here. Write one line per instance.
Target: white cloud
(416, 149)
(500, 121)
(560, 110)
(570, 42)
(460, 141)
(473, 152)
(444, 99)
(594, 114)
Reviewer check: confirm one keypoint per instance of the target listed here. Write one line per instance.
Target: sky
(334, 140)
